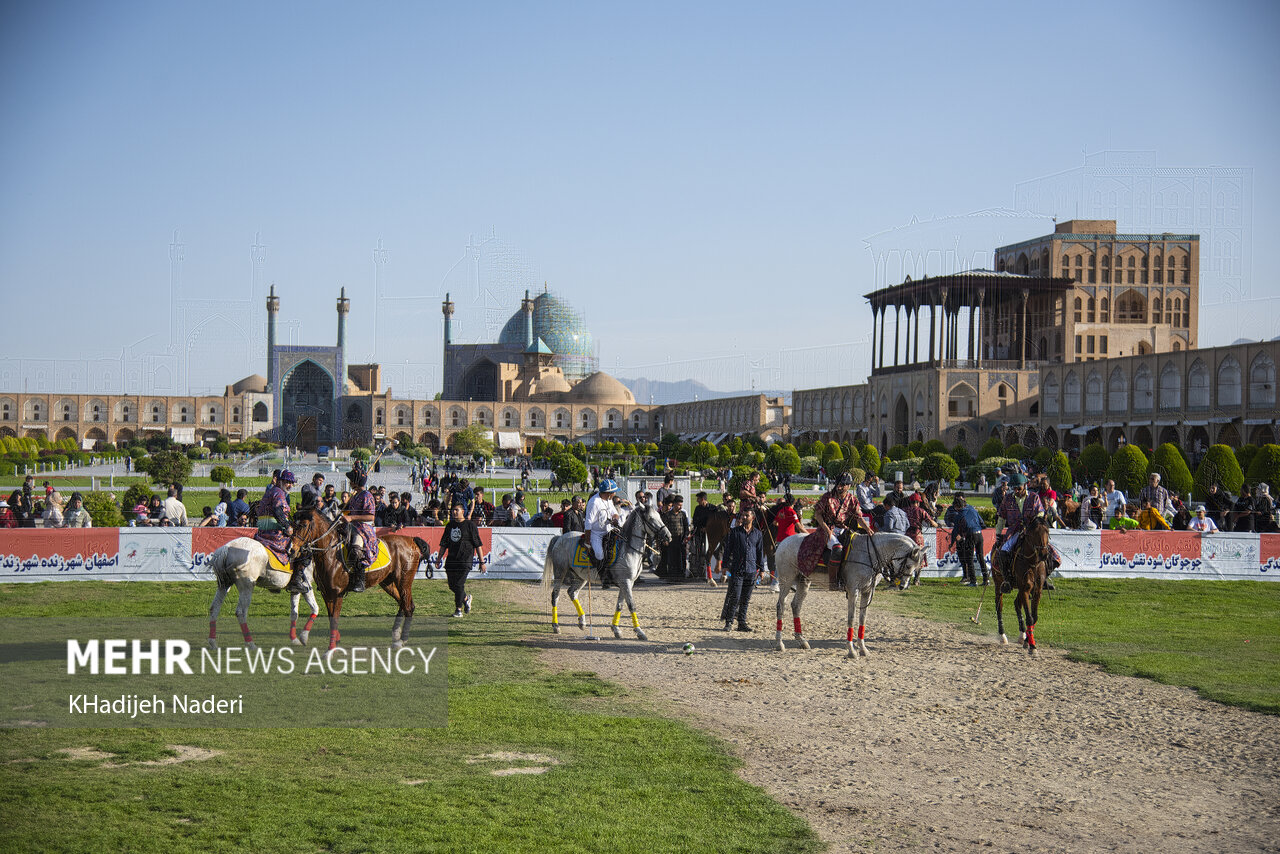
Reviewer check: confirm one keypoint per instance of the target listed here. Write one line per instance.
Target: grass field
(628, 780)
(1221, 638)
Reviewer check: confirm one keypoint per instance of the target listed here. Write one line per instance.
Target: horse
(717, 531)
(1026, 569)
(316, 539)
(559, 566)
(869, 556)
(243, 563)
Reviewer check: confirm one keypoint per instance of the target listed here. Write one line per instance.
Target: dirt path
(941, 740)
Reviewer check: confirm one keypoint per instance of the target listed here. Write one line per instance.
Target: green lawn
(1220, 637)
(629, 780)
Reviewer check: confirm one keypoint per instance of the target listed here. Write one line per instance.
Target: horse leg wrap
(293, 630)
(1031, 635)
(213, 629)
(797, 622)
(635, 620)
(244, 628)
(577, 606)
(862, 632)
(617, 617)
(555, 616)
(311, 621)
(851, 634)
(779, 625)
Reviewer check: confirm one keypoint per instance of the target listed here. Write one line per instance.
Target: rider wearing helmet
(1019, 507)
(274, 529)
(601, 515)
(837, 510)
(362, 538)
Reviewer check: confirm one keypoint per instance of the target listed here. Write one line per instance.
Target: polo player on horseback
(274, 528)
(1019, 507)
(362, 538)
(602, 515)
(837, 510)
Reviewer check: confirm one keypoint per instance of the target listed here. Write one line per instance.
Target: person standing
(966, 533)
(77, 516)
(1115, 499)
(1202, 523)
(575, 516)
(311, 491)
(1157, 495)
(458, 544)
(174, 510)
(744, 558)
(675, 557)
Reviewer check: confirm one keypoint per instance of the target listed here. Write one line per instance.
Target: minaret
(447, 308)
(527, 308)
(273, 308)
(344, 308)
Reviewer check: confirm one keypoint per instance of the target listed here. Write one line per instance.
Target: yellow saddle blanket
(276, 564)
(582, 555)
(379, 562)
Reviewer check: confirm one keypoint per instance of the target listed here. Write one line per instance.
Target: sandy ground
(942, 740)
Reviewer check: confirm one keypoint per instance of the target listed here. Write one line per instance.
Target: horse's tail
(219, 562)
(424, 548)
(549, 564)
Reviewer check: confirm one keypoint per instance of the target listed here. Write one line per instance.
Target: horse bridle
(628, 529)
(309, 545)
(899, 569)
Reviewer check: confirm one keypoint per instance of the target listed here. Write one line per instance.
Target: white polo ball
(688, 649)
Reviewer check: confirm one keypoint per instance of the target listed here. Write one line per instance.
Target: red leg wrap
(851, 634)
(797, 620)
(213, 629)
(1031, 635)
(779, 625)
(293, 630)
(311, 621)
(862, 632)
(244, 627)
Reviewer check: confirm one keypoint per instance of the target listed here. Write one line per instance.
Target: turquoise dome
(557, 324)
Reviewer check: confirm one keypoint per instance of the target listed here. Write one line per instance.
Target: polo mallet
(981, 598)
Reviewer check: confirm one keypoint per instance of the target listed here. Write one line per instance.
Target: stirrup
(298, 583)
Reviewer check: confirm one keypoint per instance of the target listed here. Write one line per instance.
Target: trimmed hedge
(993, 447)
(1169, 463)
(1060, 473)
(1219, 466)
(1265, 468)
(939, 466)
(1128, 469)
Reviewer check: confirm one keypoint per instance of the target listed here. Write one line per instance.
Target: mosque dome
(253, 382)
(552, 383)
(601, 388)
(560, 326)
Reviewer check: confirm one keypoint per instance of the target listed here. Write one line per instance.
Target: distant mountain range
(686, 390)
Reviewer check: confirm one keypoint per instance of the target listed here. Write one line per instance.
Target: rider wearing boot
(362, 538)
(274, 528)
(601, 516)
(838, 509)
(1020, 506)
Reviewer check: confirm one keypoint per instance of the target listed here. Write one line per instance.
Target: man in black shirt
(311, 491)
(743, 558)
(573, 517)
(458, 544)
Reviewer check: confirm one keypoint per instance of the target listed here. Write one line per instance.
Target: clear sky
(697, 178)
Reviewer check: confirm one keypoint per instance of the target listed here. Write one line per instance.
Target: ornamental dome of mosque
(561, 327)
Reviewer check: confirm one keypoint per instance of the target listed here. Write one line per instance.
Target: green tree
(1017, 451)
(630, 449)
(361, 454)
(832, 453)
(222, 474)
(933, 446)
(1042, 457)
(817, 449)
(1128, 469)
(540, 448)
(569, 469)
(169, 467)
(788, 461)
(993, 447)
(1168, 462)
(898, 452)
(197, 452)
(1265, 468)
(739, 477)
(138, 493)
(1094, 460)
(961, 455)
(221, 447)
(668, 444)
(939, 466)
(870, 458)
(1245, 455)
(1219, 466)
(473, 440)
(916, 448)
(104, 512)
(1060, 473)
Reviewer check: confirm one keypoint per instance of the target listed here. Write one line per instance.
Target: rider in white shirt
(601, 514)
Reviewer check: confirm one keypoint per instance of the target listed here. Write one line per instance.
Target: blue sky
(698, 179)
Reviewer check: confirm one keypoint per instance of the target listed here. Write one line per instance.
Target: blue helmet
(607, 485)
(286, 476)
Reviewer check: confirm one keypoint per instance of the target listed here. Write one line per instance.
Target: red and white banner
(180, 554)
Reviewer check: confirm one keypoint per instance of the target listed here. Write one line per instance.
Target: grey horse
(894, 556)
(558, 567)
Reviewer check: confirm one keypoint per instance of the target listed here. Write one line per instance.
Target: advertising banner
(519, 552)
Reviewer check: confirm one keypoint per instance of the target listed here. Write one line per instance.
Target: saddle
(380, 560)
(582, 556)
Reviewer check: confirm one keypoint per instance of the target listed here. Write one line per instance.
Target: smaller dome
(601, 388)
(550, 383)
(253, 382)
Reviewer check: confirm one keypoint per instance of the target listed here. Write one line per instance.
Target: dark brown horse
(717, 529)
(316, 537)
(1025, 569)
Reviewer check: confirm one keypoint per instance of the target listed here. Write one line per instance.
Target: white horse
(894, 556)
(243, 563)
(642, 522)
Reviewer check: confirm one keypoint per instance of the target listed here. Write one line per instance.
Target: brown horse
(717, 530)
(316, 537)
(1025, 569)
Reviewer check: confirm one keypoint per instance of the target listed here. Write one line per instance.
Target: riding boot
(1048, 580)
(831, 557)
(356, 580)
(298, 582)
